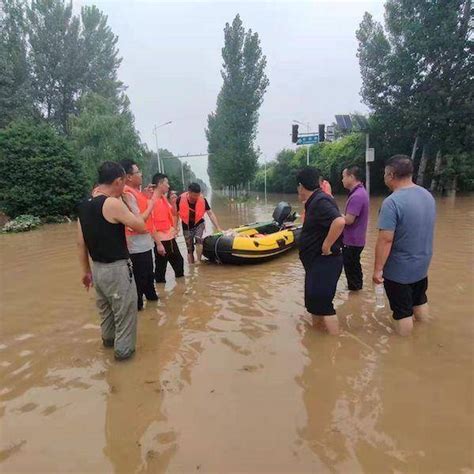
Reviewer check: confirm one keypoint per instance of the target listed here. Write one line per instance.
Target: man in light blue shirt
(405, 243)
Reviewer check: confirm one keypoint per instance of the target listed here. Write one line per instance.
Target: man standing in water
(192, 207)
(101, 234)
(357, 218)
(320, 248)
(405, 244)
(140, 244)
(166, 248)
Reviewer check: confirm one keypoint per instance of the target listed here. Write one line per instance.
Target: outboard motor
(281, 213)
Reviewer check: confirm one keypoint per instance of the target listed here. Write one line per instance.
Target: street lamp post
(182, 175)
(161, 167)
(307, 146)
(188, 156)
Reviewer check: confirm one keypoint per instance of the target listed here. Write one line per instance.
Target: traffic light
(294, 133)
(321, 132)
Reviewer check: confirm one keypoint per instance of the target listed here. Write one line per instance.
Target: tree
(103, 131)
(56, 58)
(69, 57)
(329, 158)
(417, 74)
(15, 92)
(172, 166)
(100, 54)
(41, 175)
(231, 129)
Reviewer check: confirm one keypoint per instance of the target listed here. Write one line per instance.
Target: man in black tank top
(101, 235)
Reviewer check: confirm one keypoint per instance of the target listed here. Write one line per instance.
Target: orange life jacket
(142, 202)
(162, 215)
(184, 208)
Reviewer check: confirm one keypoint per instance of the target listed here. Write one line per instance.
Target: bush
(329, 158)
(40, 175)
(55, 219)
(21, 224)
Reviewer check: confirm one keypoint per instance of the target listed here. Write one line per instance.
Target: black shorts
(404, 296)
(320, 284)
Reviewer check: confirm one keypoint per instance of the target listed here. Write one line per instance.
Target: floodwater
(228, 376)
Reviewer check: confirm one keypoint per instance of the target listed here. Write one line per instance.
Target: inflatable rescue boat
(257, 242)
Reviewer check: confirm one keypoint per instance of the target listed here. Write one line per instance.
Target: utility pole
(157, 149)
(182, 166)
(161, 167)
(369, 157)
(307, 146)
(367, 166)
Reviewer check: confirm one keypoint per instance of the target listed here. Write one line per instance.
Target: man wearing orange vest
(165, 231)
(140, 245)
(192, 207)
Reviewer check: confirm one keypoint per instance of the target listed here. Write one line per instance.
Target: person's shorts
(194, 236)
(404, 296)
(320, 285)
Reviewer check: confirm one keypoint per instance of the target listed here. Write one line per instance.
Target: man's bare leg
(404, 326)
(421, 313)
(199, 252)
(331, 323)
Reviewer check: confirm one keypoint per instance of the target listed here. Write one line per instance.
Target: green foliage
(172, 166)
(101, 55)
(329, 158)
(56, 58)
(458, 167)
(40, 173)
(15, 87)
(50, 57)
(231, 129)
(101, 132)
(21, 224)
(417, 75)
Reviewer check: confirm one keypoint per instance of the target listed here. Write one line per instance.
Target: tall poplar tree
(232, 128)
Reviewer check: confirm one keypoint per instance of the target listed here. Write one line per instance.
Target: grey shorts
(194, 236)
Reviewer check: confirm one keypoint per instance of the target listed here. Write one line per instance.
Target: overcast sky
(172, 59)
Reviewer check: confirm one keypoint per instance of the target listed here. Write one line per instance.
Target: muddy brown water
(228, 375)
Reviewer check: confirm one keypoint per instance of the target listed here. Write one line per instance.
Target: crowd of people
(127, 237)
(331, 241)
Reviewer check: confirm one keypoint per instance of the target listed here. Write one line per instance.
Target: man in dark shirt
(192, 207)
(320, 248)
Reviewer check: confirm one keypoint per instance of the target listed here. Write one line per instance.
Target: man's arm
(83, 258)
(214, 221)
(159, 245)
(382, 251)
(173, 200)
(350, 219)
(337, 226)
(132, 204)
(115, 210)
(353, 210)
(388, 218)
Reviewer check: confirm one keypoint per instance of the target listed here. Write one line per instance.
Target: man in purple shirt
(356, 216)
